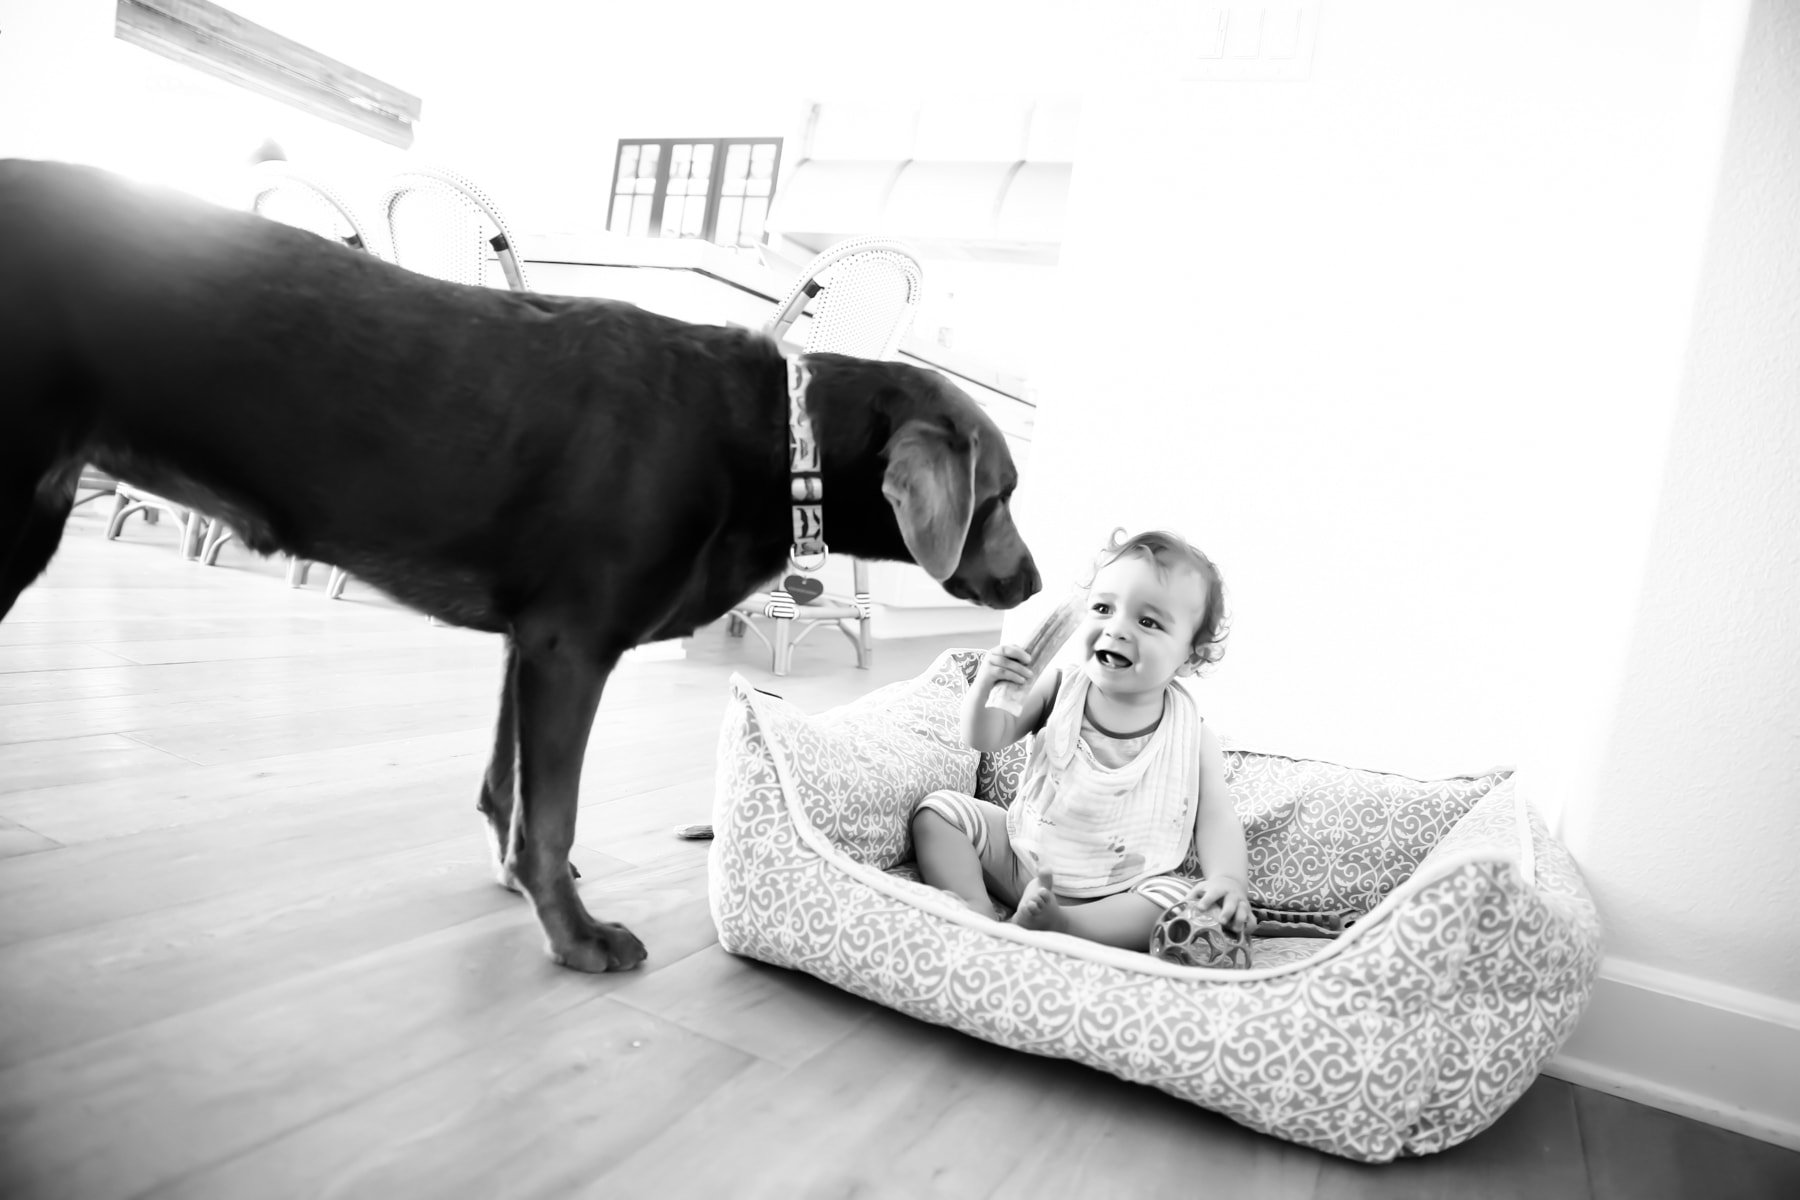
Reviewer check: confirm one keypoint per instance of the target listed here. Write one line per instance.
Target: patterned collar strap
(806, 485)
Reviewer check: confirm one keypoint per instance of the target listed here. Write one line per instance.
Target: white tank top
(1103, 829)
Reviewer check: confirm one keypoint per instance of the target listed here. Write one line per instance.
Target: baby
(1122, 776)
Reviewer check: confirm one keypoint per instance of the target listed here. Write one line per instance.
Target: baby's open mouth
(1111, 658)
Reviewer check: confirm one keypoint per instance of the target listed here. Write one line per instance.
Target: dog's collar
(806, 486)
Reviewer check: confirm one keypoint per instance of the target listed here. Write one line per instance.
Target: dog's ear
(930, 481)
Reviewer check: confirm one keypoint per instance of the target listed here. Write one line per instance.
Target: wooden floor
(250, 947)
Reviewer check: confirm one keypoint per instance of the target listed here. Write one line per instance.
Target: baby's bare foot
(1038, 907)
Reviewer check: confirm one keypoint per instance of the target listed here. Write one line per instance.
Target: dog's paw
(605, 946)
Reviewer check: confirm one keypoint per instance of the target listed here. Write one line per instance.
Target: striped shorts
(1006, 871)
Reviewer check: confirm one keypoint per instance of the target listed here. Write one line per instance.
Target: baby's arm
(988, 729)
(1219, 837)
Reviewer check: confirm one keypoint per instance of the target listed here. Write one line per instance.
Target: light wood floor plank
(1533, 1152)
(1639, 1153)
(107, 978)
(118, 1116)
(75, 812)
(139, 711)
(16, 839)
(106, 880)
(541, 1112)
(331, 673)
(898, 1108)
(781, 1017)
(96, 758)
(52, 657)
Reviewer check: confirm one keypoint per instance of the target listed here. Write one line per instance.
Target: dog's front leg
(555, 684)
(500, 783)
(501, 780)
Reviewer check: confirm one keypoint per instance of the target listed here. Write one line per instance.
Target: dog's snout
(1033, 583)
(1020, 586)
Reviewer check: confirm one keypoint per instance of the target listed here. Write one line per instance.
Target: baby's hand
(1003, 664)
(1232, 899)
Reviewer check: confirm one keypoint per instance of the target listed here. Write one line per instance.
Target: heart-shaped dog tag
(802, 589)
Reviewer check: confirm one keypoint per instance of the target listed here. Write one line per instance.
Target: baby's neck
(1126, 712)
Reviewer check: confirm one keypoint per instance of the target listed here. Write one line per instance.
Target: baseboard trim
(1703, 1050)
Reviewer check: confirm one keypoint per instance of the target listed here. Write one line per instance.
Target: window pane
(628, 160)
(640, 216)
(647, 160)
(671, 219)
(754, 212)
(737, 162)
(693, 216)
(762, 160)
(731, 212)
(703, 159)
(621, 213)
(679, 159)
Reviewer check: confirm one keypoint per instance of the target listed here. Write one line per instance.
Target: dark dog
(579, 475)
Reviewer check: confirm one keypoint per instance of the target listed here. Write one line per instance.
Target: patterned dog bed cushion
(1326, 842)
(1412, 1031)
(869, 761)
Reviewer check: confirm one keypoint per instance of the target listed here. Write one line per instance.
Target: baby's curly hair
(1166, 550)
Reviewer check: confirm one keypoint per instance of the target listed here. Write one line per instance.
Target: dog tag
(802, 589)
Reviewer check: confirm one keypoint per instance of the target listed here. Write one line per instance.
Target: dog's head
(948, 478)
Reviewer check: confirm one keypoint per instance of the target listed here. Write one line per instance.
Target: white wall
(1410, 333)
(1398, 343)
(1694, 828)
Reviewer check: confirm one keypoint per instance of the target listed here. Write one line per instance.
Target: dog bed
(1469, 943)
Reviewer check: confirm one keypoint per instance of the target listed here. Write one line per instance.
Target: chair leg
(865, 643)
(122, 508)
(784, 647)
(217, 534)
(193, 533)
(334, 583)
(297, 571)
(734, 626)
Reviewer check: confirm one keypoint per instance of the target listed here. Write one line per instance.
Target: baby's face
(1139, 629)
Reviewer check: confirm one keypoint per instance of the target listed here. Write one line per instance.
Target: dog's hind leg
(555, 681)
(33, 509)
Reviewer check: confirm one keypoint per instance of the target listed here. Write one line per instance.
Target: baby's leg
(950, 830)
(1124, 919)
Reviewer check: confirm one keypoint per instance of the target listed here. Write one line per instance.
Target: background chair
(439, 223)
(863, 294)
(95, 483)
(282, 193)
(128, 500)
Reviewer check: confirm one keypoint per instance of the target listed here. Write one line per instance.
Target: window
(718, 190)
